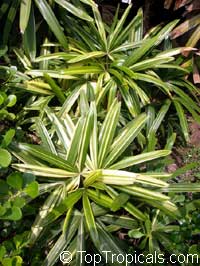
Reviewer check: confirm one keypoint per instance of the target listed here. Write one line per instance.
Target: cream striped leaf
(141, 158)
(107, 131)
(124, 139)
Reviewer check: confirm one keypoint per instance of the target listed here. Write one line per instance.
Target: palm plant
(79, 163)
(28, 20)
(119, 60)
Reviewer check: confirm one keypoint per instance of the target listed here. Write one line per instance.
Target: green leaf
(80, 243)
(77, 11)
(60, 128)
(15, 180)
(181, 187)
(124, 139)
(52, 21)
(121, 220)
(143, 193)
(139, 52)
(75, 142)
(131, 103)
(11, 100)
(183, 120)
(94, 139)
(173, 52)
(8, 138)
(19, 202)
(135, 233)
(64, 240)
(89, 218)
(165, 31)
(47, 172)
(10, 19)
(4, 188)
(40, 153)
(13, 214)
(155, 81)
(159, 118)
(86, 56)
(29, 37)
(85, 138)
(23, 58)
(117, 177)
(2, 252)
(135, 29)
(4, 7)
(68, 202)
(119, 27)
(80, 70)
(100, 25)
(51, 56)
(5, 158)
(185, 168)
(32, 189)
(109, 243)
(194, 38)
(150, 63)
(141, 158)
(25, 9)
(52, 73)
(2, 212)
(92, 177)
(44, 135)
(69, 102)
(41, 219)
(129, 207)
(102, 90)
(119, 201)
(13, 261)
(100, 198)
(170, 141)
(107, 131)
(55, 88)
(166, 206)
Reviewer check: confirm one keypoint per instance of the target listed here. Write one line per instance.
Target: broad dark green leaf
(8, 138)
(32, 189)
(13, 214)
(5, 158)
(15, 180)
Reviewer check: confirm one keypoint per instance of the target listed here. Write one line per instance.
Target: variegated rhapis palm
(81, 163)
(118, 60)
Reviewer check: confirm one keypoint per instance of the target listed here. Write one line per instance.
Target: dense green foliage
(90, 113)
